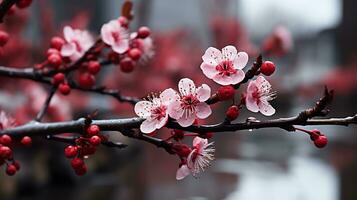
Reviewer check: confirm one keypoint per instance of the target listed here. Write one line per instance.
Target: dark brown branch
(30, 74)
(5, 6)
(77, 126)
(72, 140)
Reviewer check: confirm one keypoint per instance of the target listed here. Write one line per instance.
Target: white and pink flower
(155, 110)
(191, 103)
(6, 121)
(145, 45)
(225, 67)
(116, 36)
(78, 42)
(200, 157)
(258, 96)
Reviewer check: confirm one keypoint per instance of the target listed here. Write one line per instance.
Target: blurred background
(255, 165)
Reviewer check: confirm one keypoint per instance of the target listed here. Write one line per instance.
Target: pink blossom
(258, 95)
(155, 111)
(191, 103)
(224, 67)
(200, 157)
(78, 42)
(6, 121)
(116, 36)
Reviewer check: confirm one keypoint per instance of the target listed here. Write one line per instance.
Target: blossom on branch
(155, 110)
(116, 36)
(225, 67)
(258, 96)
(199, 158)
(78, 42)
(191, 103)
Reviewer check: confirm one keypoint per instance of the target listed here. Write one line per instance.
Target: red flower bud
(95, 140)
(11, 170)
(64, 88)
(71, 151)
(77, 163)
(5, 140)
(225, 93)
(93, 67)
(321, 141)
(93, 130)
(127, 65)
(232, 113)
(143, 32)
(4, 37)
(267, 68)
(26, 141)
(58, 78)
(57, 43)
(134, 53)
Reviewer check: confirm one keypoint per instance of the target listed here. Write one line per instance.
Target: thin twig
(46, 104)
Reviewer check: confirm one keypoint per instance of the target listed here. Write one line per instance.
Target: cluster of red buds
(6, 153)
(139, 49)
(85, 146)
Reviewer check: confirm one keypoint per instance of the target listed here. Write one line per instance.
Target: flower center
(116, 36)
(159, 112)
(189, 102)
(226, 68)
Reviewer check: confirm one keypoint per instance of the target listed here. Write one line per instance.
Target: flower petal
(203, 92)
(241, 60)
(121, 47)
(266, 109)
(212, 56)
(186, 119)
(174, 109)
(143, 108)
(208, 70)
(68, 50)
(186, 86)
(106, 34)
(182, 172)
(251, 103)
(229, 52)
(162, 122)
(230, 80)
(203, 110)
(237, 77)
(148, 125)
(68, 33)
(169, 95)
(198, 141)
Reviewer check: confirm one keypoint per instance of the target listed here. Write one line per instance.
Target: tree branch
(46, 104)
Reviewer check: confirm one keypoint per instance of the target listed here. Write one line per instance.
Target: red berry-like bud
(143, 32)
(93, 67)
(5, 140)
(134, 53)
(51, 51)
(71, 151)
(5, 152)
(23, 3)
(321, 141)
(81, 171)
(181, 150)
(127, 65)
(64, 88)
(95, 140)
(58, 78)
(4, 37)
(267, 68)
(232, 113)
(226, 92)
(11, 170)
(26, 141)
(93, 130)
(124, 22)
(86, 80)
(55, 60)
(57, 43)
(77, 163)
